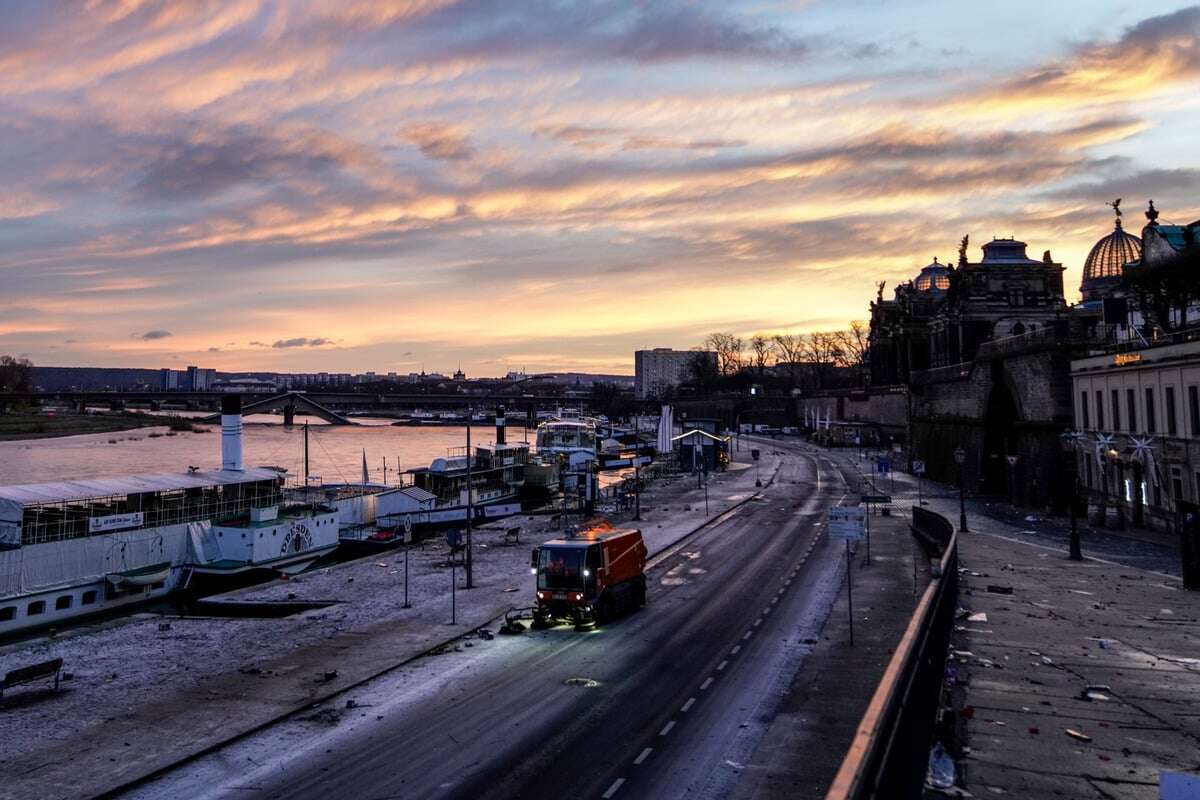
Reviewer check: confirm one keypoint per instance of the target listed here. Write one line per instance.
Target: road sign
(877, 498)
(918, 467)
(408, 526)
(1012, 460)
(883, 466)
(847, 523)
(754, 454)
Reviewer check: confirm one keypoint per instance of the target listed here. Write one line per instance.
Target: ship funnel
(231, 432)
(501, 421)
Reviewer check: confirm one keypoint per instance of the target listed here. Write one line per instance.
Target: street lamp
(1070, 441)
(960, 458)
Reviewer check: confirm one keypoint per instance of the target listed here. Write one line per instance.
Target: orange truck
(590, 577)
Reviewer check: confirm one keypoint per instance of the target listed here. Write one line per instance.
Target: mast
(306, 452)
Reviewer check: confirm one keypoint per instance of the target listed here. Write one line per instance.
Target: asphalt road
(675, 700)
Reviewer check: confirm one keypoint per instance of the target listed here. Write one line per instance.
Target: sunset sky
(350, 185)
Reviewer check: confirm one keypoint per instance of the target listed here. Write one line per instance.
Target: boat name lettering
(114, 522)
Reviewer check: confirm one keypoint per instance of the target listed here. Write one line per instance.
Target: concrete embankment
(150, 692)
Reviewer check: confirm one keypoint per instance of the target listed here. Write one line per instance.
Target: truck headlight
(533, 570)
(587, 573)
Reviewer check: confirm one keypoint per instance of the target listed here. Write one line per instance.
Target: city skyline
(547, 186)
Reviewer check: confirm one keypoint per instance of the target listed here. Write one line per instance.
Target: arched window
(1018, 329)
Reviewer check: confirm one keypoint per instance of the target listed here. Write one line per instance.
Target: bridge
(289, 402)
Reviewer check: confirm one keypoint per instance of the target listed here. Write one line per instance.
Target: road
(674, 699)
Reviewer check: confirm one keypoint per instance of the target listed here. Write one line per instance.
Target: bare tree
(852, 347)
(760, 345)
(16, 374)
(729, 349)
(789, 350)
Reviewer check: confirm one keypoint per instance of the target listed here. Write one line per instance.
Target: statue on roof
(962, 251)
(879, 291)
(1116, 207)
(1152, 214)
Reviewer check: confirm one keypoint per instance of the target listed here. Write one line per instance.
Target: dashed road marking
(613, 788)
(643, 755)
(686, 706)
(667, 728)
(735, 650)
(767, 610)
(722, 665)
(707, 683)
(748, 635)
(758, 622)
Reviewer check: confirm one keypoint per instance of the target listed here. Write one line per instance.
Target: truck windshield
(561, 568)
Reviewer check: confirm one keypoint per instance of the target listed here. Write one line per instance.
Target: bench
(32, 673)
(512, 536)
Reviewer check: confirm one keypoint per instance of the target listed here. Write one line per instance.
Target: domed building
(933, 278)
(1105, 264)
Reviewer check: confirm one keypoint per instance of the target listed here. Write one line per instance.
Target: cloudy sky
(346, 185)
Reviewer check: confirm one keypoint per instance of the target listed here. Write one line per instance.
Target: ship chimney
(500, 423)
(231, 432)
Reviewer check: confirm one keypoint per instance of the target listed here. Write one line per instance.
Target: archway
(999, 440)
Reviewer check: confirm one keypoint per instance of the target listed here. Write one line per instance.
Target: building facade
(658, 371)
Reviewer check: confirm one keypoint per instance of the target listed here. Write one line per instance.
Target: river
(335, 451)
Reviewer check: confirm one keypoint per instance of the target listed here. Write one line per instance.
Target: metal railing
(888, 756)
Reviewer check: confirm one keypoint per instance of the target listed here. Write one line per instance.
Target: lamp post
(1070, 441)
(960, 458)
(470, 502)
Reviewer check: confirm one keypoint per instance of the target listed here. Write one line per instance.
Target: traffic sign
(847, 523)
(918, 467)
(408, 528)
(883, 466)
(877, 498)
(754, 454)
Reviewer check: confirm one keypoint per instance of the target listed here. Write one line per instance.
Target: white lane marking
(643, 755)
(748, 635)
(780, 591)
(758, 622)
(735, 650)
(687, 706)
(767, 610)
(722, 665)
(774, 600)
(613, 789)
(667, 728)
(788, 582)
(707, 683)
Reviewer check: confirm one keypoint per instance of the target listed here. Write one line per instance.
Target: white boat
(438, 494)
(70, 549)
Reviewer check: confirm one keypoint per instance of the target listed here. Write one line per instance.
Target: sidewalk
(809, 736)
(1024, 670)
(148, 691)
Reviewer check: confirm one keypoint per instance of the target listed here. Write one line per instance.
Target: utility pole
(470, 503)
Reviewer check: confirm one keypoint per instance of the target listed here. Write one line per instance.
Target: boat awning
(697, 432)
(30, 494)
(418, 494)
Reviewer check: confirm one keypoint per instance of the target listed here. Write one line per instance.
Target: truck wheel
(641, 593)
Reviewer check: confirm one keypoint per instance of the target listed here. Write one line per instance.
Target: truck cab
(590, 577)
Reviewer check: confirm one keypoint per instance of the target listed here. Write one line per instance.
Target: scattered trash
(512, 589)
(381, 563)
(164, 626)
(351, 704)
(1081, 591)
(997, 589)
(486, 635)
(1078, 735)
(980, 617)
(1034, 730)
(1166, 612)
(941, 771)
(1048, 661)
(1032, 518)
(734, 764)
(329, 675)
(1106, 644)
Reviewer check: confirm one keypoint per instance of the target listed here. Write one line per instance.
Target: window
(1194, 409)
(89, 597)
(1169, 409)
(1116, 409)
(1131, 409)
(1151, 423)
(35, 608)
(9, 613)
(1099, 410)
(1087, 463)
(1083, 410)
(62, 603)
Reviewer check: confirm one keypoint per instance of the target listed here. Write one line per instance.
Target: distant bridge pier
(156, 405)
(289, 414)
(116, 405)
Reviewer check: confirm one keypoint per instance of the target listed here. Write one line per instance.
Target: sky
(352, 185)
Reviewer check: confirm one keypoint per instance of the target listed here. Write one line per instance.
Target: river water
(335, 451)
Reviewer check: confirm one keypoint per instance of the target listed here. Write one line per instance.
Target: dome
(933, 278)
(1107, 260)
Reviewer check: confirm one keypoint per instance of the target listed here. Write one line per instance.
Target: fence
(888, 755)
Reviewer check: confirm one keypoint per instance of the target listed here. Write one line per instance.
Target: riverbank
(22, 426)
(151, 690)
